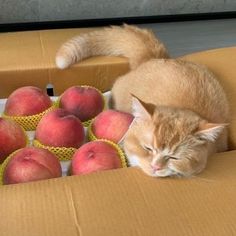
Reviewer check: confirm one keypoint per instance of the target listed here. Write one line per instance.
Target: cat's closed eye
(170, 157)
(147, 148)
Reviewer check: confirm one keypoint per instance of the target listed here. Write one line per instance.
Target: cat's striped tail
(138, 45)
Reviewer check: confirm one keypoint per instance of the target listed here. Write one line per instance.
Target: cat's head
(166, 141)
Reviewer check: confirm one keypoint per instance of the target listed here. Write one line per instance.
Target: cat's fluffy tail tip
(62, 62)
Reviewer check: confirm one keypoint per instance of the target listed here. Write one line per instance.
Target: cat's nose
(156, 167)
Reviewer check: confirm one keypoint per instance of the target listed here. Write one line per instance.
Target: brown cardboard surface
(27, 58)
(222, 62)
(125, 202)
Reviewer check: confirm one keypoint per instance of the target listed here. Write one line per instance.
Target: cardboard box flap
(125, 202)
(37, 49)
(222, 62)
(28, 58)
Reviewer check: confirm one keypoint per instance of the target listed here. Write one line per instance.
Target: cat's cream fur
(180, 109)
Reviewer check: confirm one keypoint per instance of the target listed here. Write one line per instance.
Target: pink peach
(95, 156)
(60, 128)
(26, 101)
(83, 101)
(31, 164)
(12, 137)
(111, 125)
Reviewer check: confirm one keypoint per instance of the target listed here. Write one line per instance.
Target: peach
(111, 125)
(12, 137)
(60, 128)
(26, 101)
(95, 156)
(83, 101)
(31, 164)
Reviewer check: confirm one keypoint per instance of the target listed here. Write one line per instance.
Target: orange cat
(180, 109)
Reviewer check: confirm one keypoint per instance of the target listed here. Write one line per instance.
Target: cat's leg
(222, 142)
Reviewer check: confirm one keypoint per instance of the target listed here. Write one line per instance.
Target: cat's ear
(210, 131)
(141, 109)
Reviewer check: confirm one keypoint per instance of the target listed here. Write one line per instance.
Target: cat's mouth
(164, 173)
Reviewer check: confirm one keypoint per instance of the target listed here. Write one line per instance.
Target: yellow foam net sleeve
(63, 153)
(91, 135)
(29, 122)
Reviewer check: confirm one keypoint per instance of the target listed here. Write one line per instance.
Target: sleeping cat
(181, 111)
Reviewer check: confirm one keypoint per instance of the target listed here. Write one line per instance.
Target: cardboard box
(27, 58)
(123, 202)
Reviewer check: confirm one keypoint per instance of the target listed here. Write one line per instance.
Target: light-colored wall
(12, 11)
